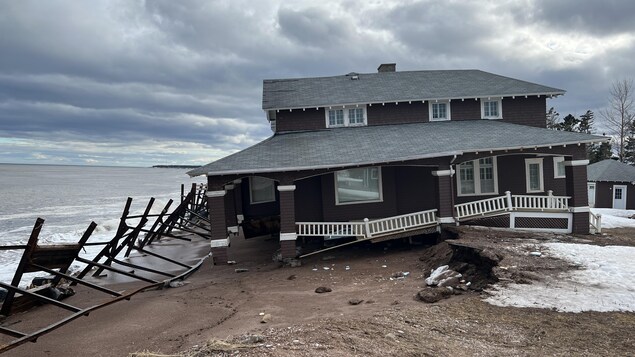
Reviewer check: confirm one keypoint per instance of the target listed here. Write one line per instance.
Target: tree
(619, 113)
(552, 119)
(629, 146)
(586, 122)
(599, 152)
(569, 123)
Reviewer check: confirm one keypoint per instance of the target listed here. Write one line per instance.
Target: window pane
(439, 111)
(356, 116)
(618, 193)
(560, 166)
(262, 190)
(486, 168)
(490, 109)
(466, 175)
(358, 185)
(534, 177)
(336, 117)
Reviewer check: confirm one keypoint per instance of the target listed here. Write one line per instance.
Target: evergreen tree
(552, 119)
(599, 152)
(586, 122)
(629, 146)
(569, 123)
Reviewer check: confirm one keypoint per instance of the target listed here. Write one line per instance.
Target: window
(478, 177)
(358, 185)
(439, 111)
(533, 172)
(261, 189)
(346, 116)
(558, 167)
(491, 109)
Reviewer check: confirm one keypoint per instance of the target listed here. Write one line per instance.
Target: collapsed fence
(188, 220)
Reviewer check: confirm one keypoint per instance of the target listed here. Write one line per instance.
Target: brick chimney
(387, 67)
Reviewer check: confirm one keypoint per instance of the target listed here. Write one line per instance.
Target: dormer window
(491, 109)
(439, 110)
(346, 116)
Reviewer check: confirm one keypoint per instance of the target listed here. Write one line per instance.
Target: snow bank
(615, 218)
(605, 281)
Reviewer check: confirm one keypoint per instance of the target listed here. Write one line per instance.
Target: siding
(525, 111)
(604, 194)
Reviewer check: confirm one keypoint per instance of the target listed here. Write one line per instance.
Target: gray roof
(369, 145)
(394, 87)
(611, 170)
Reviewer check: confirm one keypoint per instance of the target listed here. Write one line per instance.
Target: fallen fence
(187, 218)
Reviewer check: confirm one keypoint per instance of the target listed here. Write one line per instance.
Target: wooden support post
(132, 241)
(24, 261)
(156, 223)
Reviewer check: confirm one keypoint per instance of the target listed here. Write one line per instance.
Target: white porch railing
(404, 222)
(318, 229)
(369, 228)
(482, 207)
(511, 202)
(595, 222)
(541, 203)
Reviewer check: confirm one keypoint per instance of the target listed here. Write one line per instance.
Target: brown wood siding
(580, 223)
(577, 186)
(358, 211)
(308, 198)
(415, 189)
(298, 119)
(391, 113)
(529, 111)
(467, 109)
(217, 217)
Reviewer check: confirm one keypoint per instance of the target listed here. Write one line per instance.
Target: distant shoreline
(176, 166)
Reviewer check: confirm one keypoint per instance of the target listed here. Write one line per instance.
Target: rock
(398, 274)
(241, 270)
(391, 336)
(489, 254)
(177, 283)
(355, 301)
(323, 289)
(433, 295)
(291, 277)
(265, 318)
(251, 339)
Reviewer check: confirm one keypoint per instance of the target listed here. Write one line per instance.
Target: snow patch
(603, 282)
(615, 218)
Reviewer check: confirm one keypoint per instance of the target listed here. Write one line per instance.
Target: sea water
(68, 198)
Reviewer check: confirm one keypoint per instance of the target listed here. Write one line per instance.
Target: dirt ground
(220, 312)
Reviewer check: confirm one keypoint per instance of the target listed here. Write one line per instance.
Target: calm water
(70, 197)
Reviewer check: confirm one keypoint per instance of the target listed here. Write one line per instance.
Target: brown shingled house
(394, 154)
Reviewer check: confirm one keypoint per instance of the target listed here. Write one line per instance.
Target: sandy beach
(219, 304)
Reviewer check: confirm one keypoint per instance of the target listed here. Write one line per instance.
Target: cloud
(140, 82)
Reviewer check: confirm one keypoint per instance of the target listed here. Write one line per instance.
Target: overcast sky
(139, 83)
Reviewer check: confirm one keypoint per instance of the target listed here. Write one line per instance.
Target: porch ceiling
(370, 145)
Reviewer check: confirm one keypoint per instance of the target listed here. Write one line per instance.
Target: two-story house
(392, 154)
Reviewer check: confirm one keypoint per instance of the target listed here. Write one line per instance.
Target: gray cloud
(136, 82)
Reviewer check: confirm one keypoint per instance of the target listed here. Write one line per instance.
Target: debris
(314, 268)
(347, 268)
(291, 277)
(265, 318)
(241, 270)
(262, 314)
(328, 257)
(323, 289)
(443, 276)
(536, 254)
(384, 266)
(326, 268)
(231, 262)
(391, 336)
(177, 283)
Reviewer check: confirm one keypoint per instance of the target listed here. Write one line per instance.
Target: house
(611, 184)
(397, 153)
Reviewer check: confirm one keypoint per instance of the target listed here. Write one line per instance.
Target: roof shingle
(611, 170)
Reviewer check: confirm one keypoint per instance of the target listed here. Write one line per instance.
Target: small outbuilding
(611, 184)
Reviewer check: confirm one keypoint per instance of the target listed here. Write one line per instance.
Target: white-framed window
(439, 110)
(534, 175)
(478, 177)
(346, 116)
(360, 185)
(558, 167)
(491, 108)
(261, 190)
